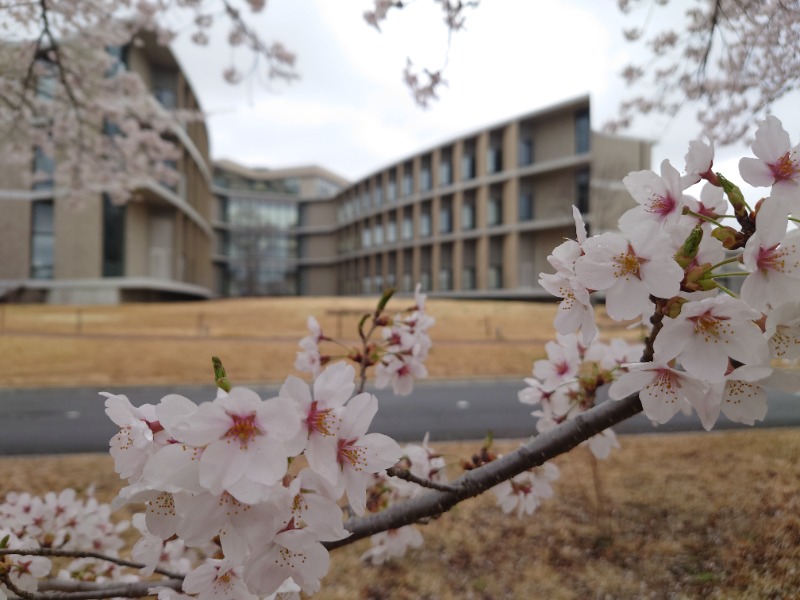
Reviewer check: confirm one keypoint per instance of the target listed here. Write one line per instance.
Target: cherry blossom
(393, 543)
(777, 163)
(523, 493)
(707, 333)
(630, 270)
(782, 330)
(738, 396)
(560, 366)
(699, 163)
(660, 198)
(663, 390)
(358, 453)
(291, 553)
(320, 412)
(244, 439)
(773, 258)
(309, 359)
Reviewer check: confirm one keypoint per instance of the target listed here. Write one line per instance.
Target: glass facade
(259, 245)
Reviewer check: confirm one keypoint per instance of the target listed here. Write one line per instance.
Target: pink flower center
(774, 259)
(320, 421)
(661, 205)
(244, 429)
(521, 488)
(709, 326)
(349, 453)
(785, 167)
(628, 264)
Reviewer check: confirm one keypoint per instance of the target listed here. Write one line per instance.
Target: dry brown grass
(683, 516)
(256, 338)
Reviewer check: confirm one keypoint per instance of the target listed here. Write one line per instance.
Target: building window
(468, 278)
(468, 215)
(526, 152)
(494, 160)
(495, 277)
(223, 242)
(42, 240)
(165, 87)
(425, 280)
(582, 190)
(378, 192)
(366, 284)
(366, 237)
(408, 180)
(425, 179)
(445, 169)
(408, 282)
(582, 131)
(378, 233)
(113, 238)
(408, 227)
(446, 218)
(468, 166)
(525, 205)
(495, 216)
(391, 230)
(392, 188)
(445, 278)
(425, 225)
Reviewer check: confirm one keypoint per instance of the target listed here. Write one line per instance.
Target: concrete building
(155, 248)
(475, 216)
(258, 219)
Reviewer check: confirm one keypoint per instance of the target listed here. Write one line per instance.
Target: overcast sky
(351, 113)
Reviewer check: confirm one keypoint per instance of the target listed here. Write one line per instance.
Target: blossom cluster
(65, 522)
(713, 350)
(229, 472)
(424, 464)
(399, 357)
(565, 384)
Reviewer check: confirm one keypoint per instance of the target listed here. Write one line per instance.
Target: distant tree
(64, 91)
(730, 59)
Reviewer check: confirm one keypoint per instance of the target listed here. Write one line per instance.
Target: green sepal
(220, 377)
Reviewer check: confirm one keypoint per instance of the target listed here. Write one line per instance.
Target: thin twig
(83, 554)
(407, 475)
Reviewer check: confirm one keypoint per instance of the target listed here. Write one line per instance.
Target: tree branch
(539, 450)
(55, 589)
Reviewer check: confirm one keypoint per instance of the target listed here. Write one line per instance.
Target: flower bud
(697, 280)
(735, 196)
(727, 235)
(688, 251)
(220, 378)
(673, 307)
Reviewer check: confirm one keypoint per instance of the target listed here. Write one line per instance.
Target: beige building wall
(79, 240)
(15, 239)
(489, 259)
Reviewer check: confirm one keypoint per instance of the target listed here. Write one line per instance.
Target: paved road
(47, 421)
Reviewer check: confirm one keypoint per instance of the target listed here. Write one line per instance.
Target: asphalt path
(62, 420)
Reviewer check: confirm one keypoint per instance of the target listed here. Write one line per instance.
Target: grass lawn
(256, 338)
(682, 516)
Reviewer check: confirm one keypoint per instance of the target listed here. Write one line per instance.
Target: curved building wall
(155, 247)
(478, 215)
